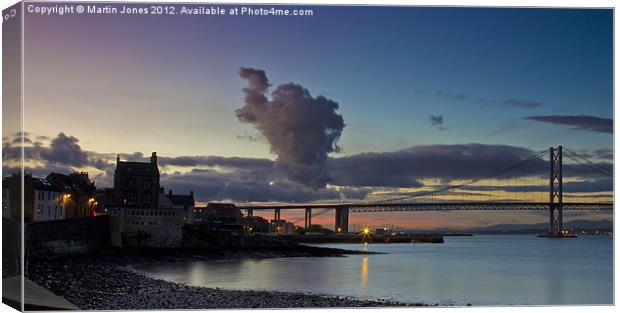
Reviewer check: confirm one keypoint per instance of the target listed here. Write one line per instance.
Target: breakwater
(406, 238)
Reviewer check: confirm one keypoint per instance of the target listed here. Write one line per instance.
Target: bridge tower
(308, 219)
(342, 220)
(555, 190)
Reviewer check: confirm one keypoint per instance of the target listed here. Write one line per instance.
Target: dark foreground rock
(107, 282)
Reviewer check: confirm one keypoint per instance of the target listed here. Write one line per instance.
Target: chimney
(118, 158)
(191, 193)
(154, 158)
(170, 192)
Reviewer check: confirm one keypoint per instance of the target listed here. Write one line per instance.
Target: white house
(49, 202)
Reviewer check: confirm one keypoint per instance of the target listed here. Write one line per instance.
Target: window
(130, 198)
(130, 183)
(147, 184)
(146, 198)
(41, 195)
(49, 195)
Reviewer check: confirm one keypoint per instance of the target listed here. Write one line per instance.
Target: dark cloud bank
(257, 179)
(578, 122)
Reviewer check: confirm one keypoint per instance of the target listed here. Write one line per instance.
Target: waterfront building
(282, 227)
(184, 203)
(42, 200)
(6, 199)
(256, 224)
(81, 201)
(140, 213)
(137, 183)
(221, 216)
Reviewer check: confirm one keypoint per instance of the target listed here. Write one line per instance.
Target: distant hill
(539, 227)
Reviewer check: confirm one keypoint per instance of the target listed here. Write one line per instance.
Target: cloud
(528, 104)
(451, 96)
(65, 150)
(354, 177)
(301, 130)
(521, 103)
(405, 168)
(62, 150)
(209, 185)
(588, 185)
(604, 154)
(436, 120)
(578, 122)
(212, 161)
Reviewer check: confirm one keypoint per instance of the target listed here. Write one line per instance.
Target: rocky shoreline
(108, 282)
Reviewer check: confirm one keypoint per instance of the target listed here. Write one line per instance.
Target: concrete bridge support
(342, 220)
(308, 219)
(276, 215)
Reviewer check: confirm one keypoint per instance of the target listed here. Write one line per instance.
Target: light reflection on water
(364, 273)
(481, 270)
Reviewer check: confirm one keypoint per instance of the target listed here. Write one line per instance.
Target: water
(482, 270)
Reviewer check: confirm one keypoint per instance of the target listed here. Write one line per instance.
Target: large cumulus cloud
(301, 129)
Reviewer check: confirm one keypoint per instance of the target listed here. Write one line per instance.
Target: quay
(355, 238)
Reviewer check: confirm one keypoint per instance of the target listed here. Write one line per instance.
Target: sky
(350, 104)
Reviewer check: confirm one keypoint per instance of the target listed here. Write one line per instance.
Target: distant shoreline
(110, 282)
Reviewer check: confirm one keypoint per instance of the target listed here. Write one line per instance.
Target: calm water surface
(482, 270)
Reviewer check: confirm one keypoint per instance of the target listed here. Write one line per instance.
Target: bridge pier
(308, 219)
(342, 220)
(276, 215)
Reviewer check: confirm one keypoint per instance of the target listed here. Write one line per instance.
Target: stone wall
(132, 231)
(70, 236)
(154, 236)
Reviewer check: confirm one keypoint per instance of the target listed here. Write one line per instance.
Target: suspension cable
(446, 188)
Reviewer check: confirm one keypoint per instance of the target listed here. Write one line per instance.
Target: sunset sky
(413, 98)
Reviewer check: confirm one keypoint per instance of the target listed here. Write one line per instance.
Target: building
(137, 183)
(282, 227)
(256, 224)
(81, 201)
(221, 216)
(185, 203)
(140, 213)
(42, 200)
(6, 199)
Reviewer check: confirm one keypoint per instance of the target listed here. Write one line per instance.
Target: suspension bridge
(537, 183)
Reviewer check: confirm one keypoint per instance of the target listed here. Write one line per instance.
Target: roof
(223, 209)
(75, 182)
(181, 199)
(144, 168)
(41, 184)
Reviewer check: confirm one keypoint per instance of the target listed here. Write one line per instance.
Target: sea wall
(70, 236)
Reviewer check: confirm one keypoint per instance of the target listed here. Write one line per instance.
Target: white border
(496, 3)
